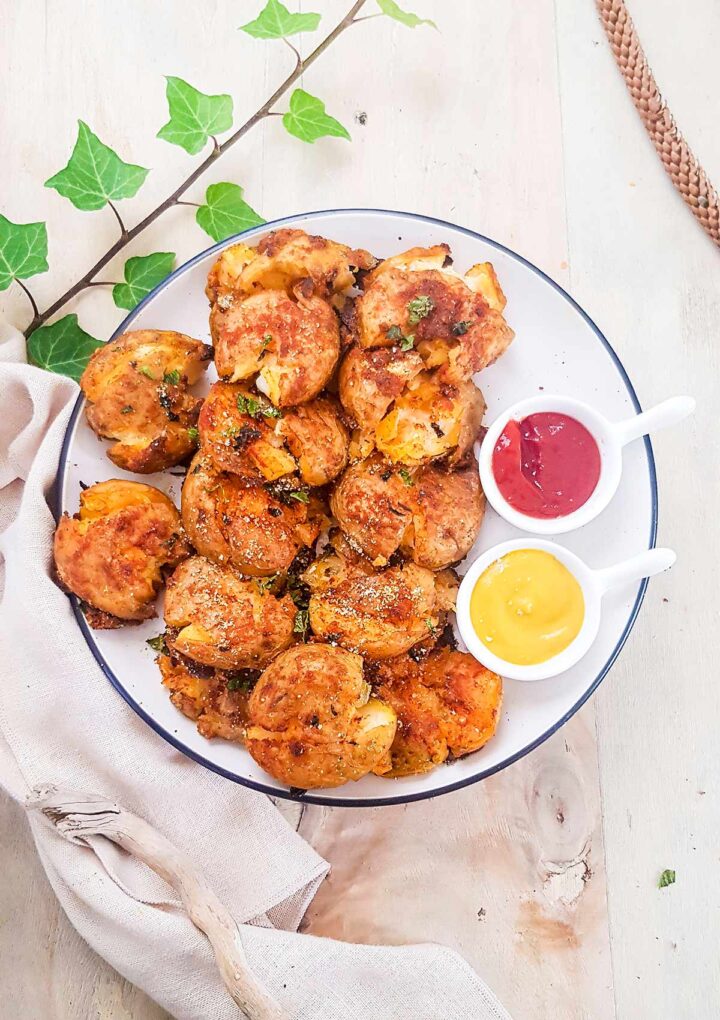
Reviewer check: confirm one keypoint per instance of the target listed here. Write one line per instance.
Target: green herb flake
(460, 328)
(406, 477)
(128, 409)
(300, 495)
(302, 621)
(394, 333)
(408, 342)
(243, 680)
(193, 433)
(266, 583)
(172, 378)
(144, 370)
(666, 878)
(419, 308)
(270, 411)
(430, 626)
(158, 645)
(267, 339)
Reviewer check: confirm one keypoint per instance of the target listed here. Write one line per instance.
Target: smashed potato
(431, 419)
(288, 345)
(217, 701)
(432, 516)
(283, 259)
(113, 552)
(136, 390)
(317, 439)
(219, 619)
(447, 704)
(312, 721)
(377, 613)
(453, 322)
(234, 519)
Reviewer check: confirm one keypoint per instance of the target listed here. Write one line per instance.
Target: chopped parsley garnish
(128, 409)
(267, 339)
(406, 477)
(407, 342)
(460, 328)
(302, 622)
(430, 626)
(265, 583)
(243, 680)
(144, 370)
(193, 432)
(394, 333)
(285, 490)
(666, 878)
(158, 645)
(253, 407)
(300, 495)
(172, 378)
(419, 308)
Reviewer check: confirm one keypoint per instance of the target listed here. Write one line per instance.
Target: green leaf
(226, 212)
(23, 251)
(63, 347)
(666, 878)
(307, 120)
(275, 21)
(392, 10)
(95, 175)
(142, 274)
(194, 117)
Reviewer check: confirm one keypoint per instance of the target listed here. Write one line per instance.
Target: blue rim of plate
(309, 797)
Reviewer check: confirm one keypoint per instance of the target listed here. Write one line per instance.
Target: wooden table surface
(512, 120)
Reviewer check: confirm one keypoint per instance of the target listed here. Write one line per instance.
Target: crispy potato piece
(235, 519)
(283, 259)
(290, 347)
(430, 419)
(455, 323)
(136, 388)
(369, 381)
(379, 614)
(113, 552)
(374, 507)
(448, 508)
(219, 619)
(238, 441)
(203, 695)
(311, 723)
(448, 704)
(317, 439)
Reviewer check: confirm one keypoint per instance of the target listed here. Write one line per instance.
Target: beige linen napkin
(62, 723)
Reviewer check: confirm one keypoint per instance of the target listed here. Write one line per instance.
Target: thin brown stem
(118, 217)
(298, 58)
(102, 283)
(368, 17)
(215, 154)
(30, 298)
(195, 205)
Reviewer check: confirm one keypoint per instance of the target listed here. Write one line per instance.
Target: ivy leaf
(194, 117)
(226, 212)
(142, 274)
(307, 120)
(95, 175)
(23, 251)
(275, 21)
(64, 347)
(392, 10)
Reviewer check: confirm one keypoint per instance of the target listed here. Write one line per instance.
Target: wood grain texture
(513, 121)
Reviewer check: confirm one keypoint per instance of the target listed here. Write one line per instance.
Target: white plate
(557, 348)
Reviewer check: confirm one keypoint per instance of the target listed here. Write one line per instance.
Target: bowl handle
(669, 412)
(646, 564)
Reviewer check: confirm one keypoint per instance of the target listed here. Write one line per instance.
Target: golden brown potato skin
(311, 723)
(448, 704)
(237, 441)
(373, 506)
(219, 619)
(136, 388)
(369, 381)
(379, 614)
(202, 694)
(430, 419)
(472, 334)
(283, 259)
(317, 438)
(447, 511)
(290, 344)
(234, 519)
(112, 553)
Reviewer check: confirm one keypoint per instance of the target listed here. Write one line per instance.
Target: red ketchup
(546, 465)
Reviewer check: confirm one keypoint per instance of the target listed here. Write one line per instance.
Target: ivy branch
(96, 176)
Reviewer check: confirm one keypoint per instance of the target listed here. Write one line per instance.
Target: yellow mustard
(527, 607)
